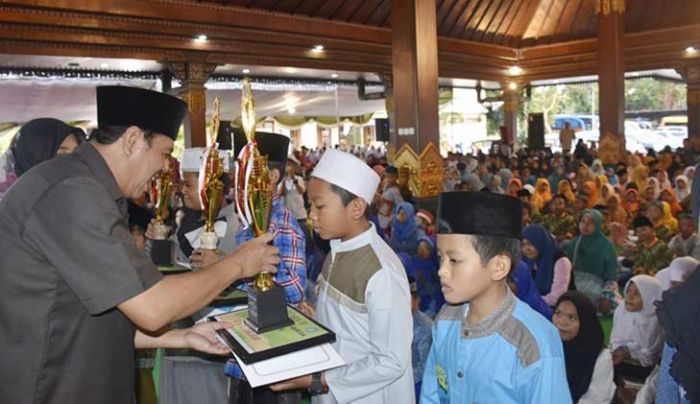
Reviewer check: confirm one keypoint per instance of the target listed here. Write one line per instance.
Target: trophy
(211, 188)
(161, 192)
(267, 305)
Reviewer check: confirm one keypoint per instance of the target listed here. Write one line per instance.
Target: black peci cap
(151, 110)
(480, 213)
(275, 147)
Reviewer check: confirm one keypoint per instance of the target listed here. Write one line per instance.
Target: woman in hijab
(404, 229)
(564, 188)
(583, 175)
(640, 176)
(597, 168)
(636, 339)
(617, 213)
(660, 215)
(689, 173)
(557, 175)
(662, 177)
(682, 188)
(652, 190)
(495, 184)
(472, 183)
(589, 367)
(594, 261)
(514, 186)
(37, 141)
(543, 194)
(677, 272)
(426, 264)
(667, 195)
(505, 175)
(605, 193)
(548, 263)
(523, 286)
(589, 189)
(631, 202)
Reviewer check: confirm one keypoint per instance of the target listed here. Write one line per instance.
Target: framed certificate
(251, 347)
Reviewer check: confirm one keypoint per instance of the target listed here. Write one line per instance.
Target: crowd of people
(600, 244)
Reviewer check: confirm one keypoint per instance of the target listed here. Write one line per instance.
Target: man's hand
(303, 382)
(308, 309)
(201, 258)
(619, 355)
(151, 230)
(202, 337)
(256, 256)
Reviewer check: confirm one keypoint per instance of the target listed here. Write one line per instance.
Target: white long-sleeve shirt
(364, 298)
(602, 387)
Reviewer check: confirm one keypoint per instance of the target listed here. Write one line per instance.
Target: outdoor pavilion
(408, 44)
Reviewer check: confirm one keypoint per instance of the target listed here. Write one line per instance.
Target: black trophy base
(267, 310)
(161, 252)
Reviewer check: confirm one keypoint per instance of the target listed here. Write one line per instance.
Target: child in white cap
(363, 292)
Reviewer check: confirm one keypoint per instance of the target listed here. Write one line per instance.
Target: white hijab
(678, 271)
(639, 331)
(682, 193)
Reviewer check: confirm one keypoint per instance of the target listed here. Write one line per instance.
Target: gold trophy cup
(267, 304)
(211, 188)
(161, 193)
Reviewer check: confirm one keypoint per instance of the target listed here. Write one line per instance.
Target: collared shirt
(364, 299)
(513, 356)
(67, 259)
(289, 239)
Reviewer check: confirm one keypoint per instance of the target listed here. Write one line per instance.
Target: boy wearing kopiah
(363, 292)
(494, 348)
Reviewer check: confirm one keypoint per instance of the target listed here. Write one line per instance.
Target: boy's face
(422, 223)
(686, 227)
(644, 233)
(189, 190)
(558, 206)
(462, 276)
(327, 212)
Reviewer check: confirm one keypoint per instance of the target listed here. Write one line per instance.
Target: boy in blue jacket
(488, 346)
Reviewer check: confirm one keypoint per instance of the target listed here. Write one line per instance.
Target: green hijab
(594, 254)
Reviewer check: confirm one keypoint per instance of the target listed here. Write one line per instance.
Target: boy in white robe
(363, 292)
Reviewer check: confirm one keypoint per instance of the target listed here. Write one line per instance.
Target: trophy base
(161, 252)
(267, 310)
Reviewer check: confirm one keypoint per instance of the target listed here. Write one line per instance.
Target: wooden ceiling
(513, 23)
(478, 39)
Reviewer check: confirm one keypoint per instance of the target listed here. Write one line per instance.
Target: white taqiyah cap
(348, 172)
(192, 159)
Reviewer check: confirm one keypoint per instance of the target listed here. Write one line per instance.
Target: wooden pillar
(611, 79)
(691, 73)
(415, 73)
(415, 133)
(192, 76)
(511, 101)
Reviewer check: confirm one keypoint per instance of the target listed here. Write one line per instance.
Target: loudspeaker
(535, 130)
(224, 135)
(381, 126)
